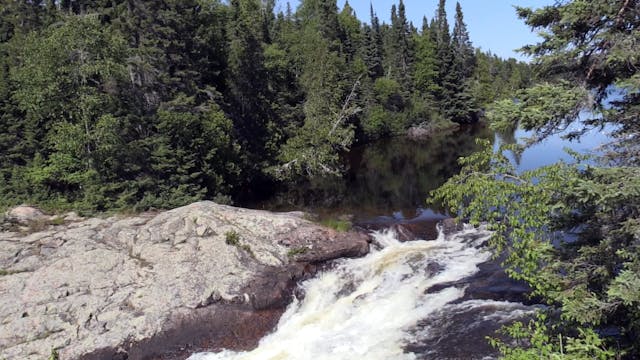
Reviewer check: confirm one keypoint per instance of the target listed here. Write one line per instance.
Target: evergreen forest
(132, 105)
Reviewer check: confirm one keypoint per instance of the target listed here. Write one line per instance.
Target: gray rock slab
(101, 283)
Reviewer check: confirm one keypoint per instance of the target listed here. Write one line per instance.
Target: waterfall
(369, 308)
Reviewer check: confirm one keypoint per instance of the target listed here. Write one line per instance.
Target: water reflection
(552, 149)
(390, 178)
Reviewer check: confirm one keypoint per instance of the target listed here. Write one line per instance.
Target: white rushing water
(365, 308)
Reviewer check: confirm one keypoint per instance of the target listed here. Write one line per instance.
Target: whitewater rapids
(368, 308)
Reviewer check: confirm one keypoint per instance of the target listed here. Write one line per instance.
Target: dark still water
(387, 180)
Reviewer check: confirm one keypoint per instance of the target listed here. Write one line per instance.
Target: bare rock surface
(96, 287)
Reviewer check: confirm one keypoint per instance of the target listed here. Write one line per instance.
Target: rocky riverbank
(155, 286)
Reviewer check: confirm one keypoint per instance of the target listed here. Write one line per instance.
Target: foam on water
(365, 308)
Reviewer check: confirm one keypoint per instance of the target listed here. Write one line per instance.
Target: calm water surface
(390, 180)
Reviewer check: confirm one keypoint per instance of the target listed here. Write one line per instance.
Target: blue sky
(493, 24)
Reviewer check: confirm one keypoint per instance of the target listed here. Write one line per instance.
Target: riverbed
(437, 297)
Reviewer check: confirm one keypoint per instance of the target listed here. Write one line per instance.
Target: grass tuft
(336, 224)
(297, 251)
(232, 238)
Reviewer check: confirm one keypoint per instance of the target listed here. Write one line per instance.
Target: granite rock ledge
(132, 287)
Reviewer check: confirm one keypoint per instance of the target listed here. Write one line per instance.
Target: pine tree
(268, 20)
(444, 53)
(461, 106)
(351, 29)
(399, 49)
(391, 46)
(462, 47)
(283, 67)
(374, 48)
(247, 77)
(195, 155)
(405, 55)
(325, 13)
(426, 67)
(453, 91)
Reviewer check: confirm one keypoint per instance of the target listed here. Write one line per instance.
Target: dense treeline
(120, 104)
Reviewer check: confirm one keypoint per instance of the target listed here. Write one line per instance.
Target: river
(435, 298)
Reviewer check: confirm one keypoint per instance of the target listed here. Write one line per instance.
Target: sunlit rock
(98, 287)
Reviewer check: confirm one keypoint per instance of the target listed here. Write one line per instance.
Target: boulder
(135, 287)
(404, 232)
(425, 131)
(25, 214)
(419, 132)
(450, 226)
(71, 217)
